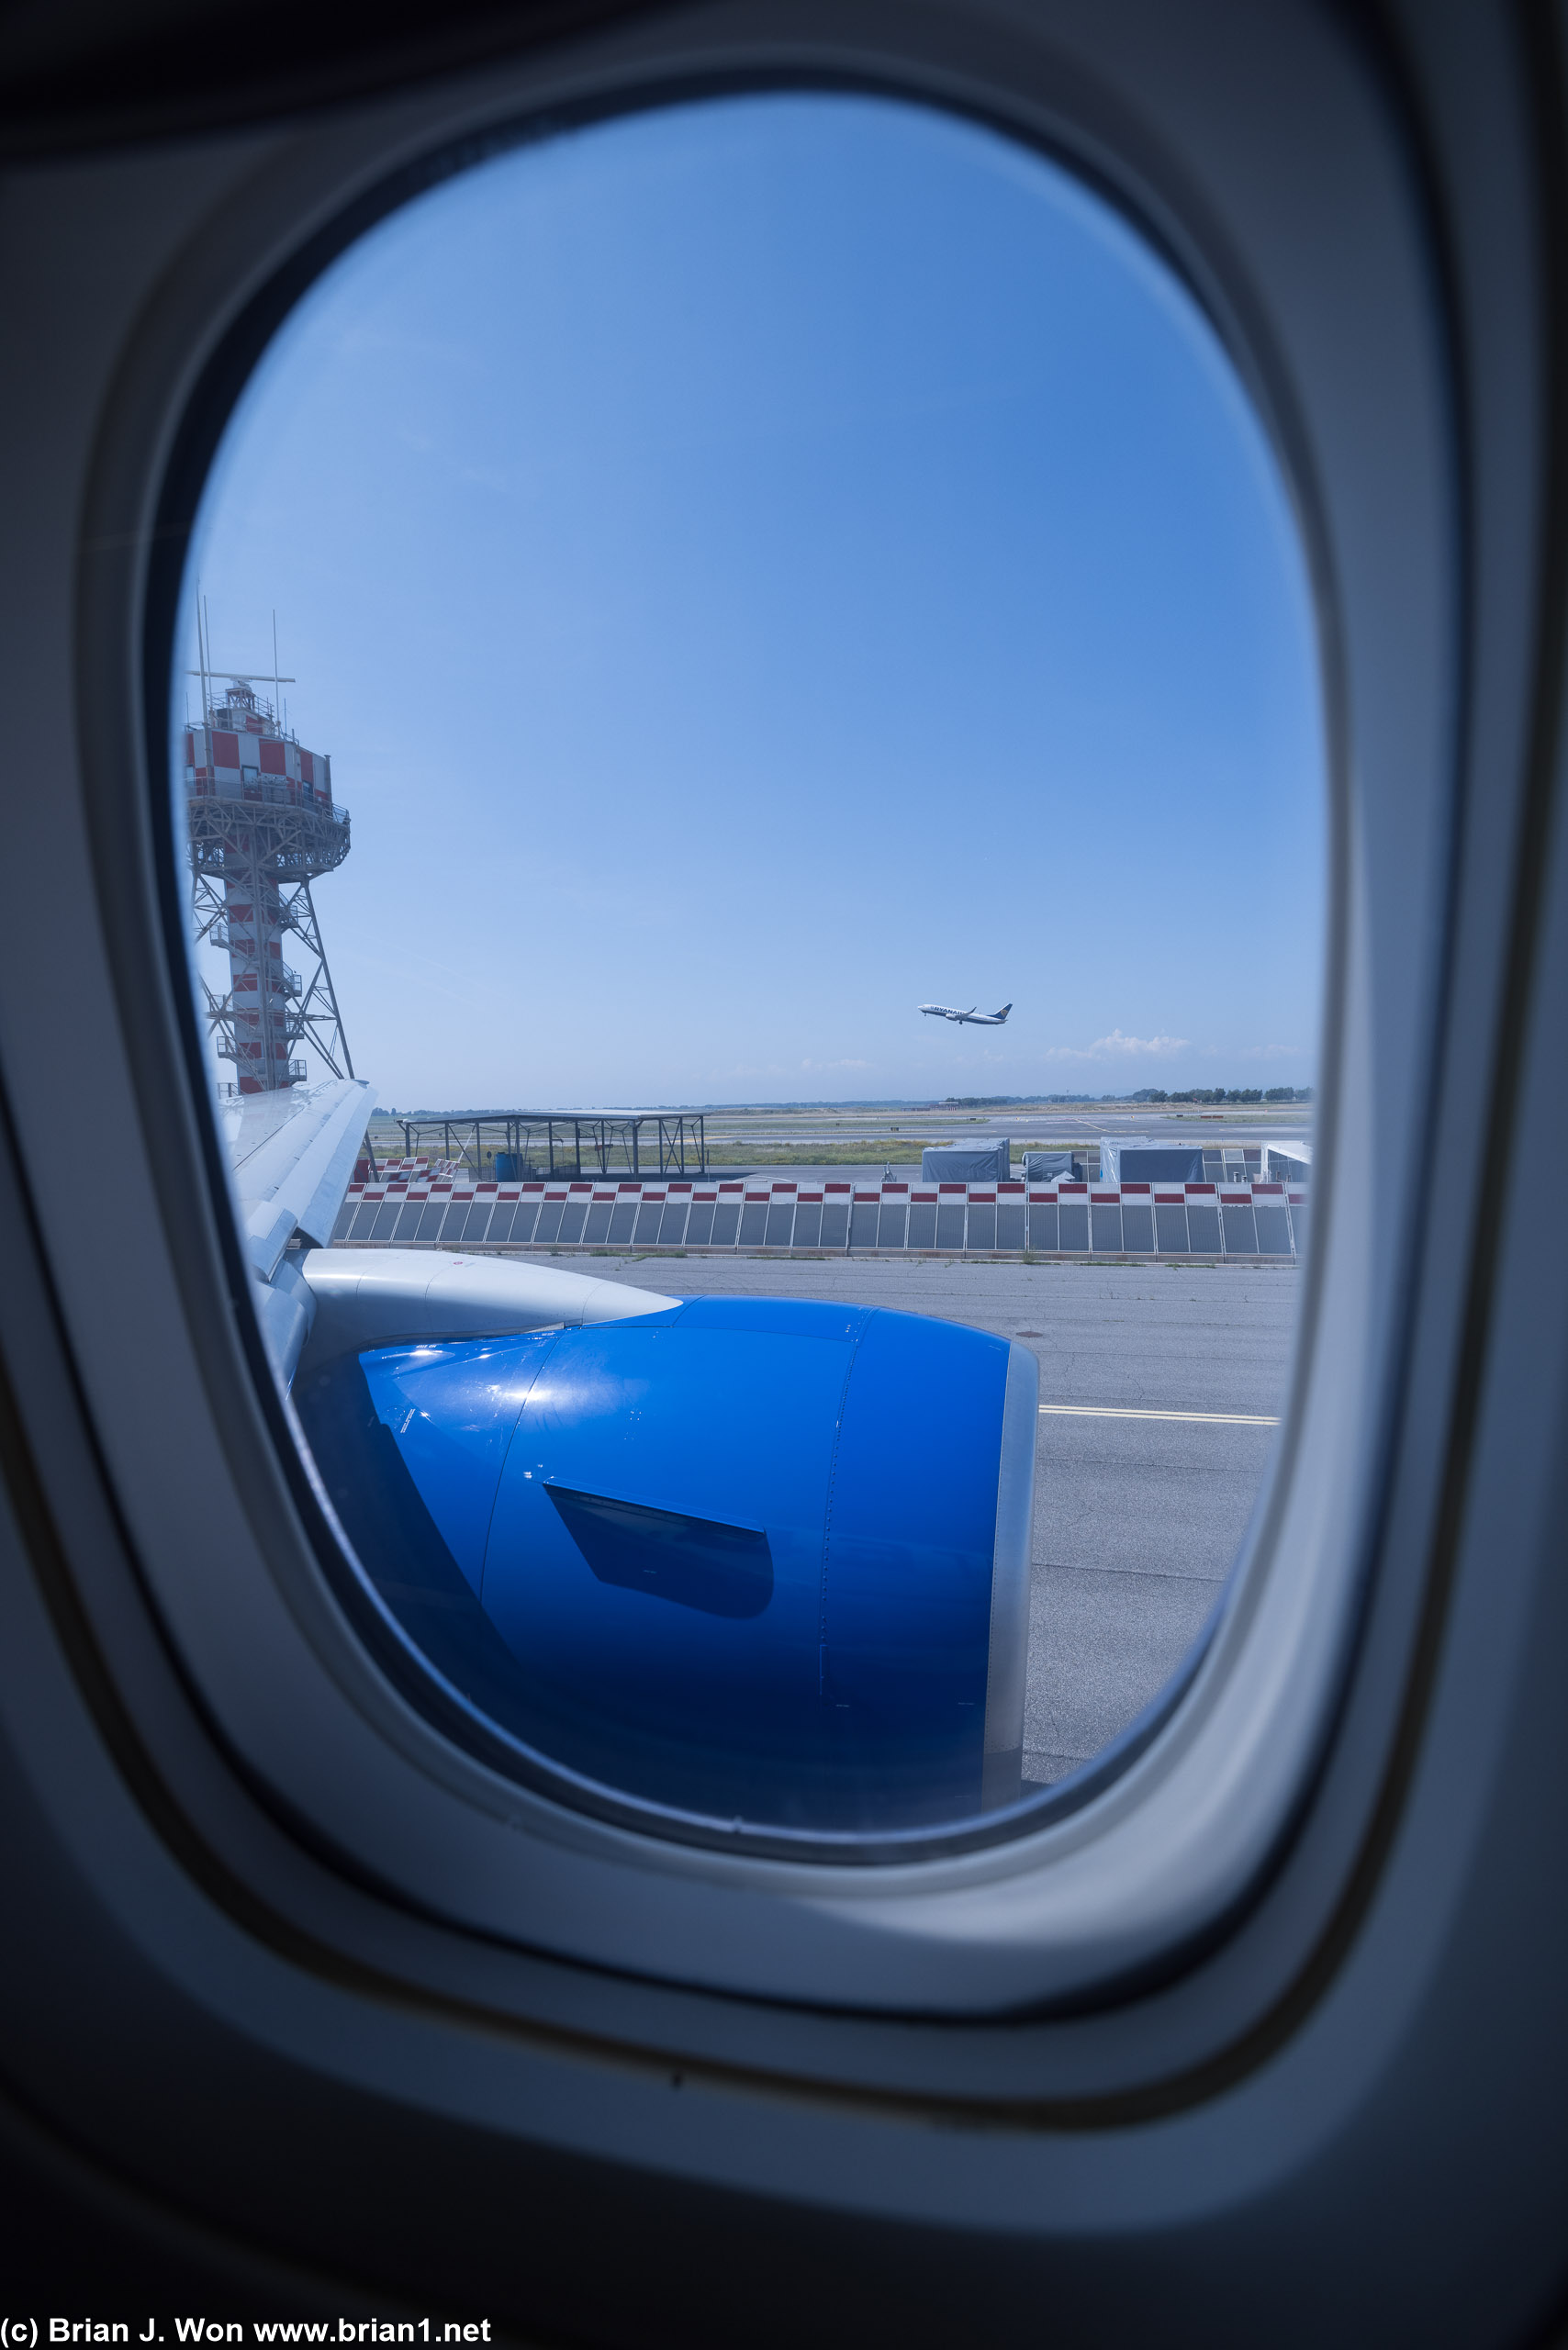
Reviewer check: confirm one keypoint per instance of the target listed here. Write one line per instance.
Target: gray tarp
(988, 1166)
(1160, 1163)
(1052, 1166)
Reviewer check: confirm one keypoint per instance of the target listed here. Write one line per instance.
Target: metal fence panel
(726, 1222)
(1045, 1233)
(1170, 1226)
(463, 1227)
(699, 1223)
(1137, 1219)
(645, 1231)
(365, 1214)
(1240, 1226)
(1271, 1217)
(408, 1216)
(1298, 1207)
(672, 1224)
(1203, 1220)
(1105, 1224)
(781, 1220)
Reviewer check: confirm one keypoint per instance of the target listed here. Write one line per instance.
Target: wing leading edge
(293, 1159)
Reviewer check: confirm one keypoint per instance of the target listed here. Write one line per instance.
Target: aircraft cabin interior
(519, 1815)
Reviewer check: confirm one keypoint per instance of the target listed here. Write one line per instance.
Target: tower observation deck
(263, 826)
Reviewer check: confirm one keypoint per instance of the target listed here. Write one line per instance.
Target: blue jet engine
(751, 1559)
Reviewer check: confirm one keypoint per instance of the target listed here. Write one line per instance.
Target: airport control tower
(262, 827)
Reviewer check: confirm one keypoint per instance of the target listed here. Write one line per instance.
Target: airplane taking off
(976, 1019)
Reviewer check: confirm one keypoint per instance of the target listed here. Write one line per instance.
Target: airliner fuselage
(975, 1019)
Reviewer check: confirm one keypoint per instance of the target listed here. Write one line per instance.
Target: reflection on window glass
(758, 889)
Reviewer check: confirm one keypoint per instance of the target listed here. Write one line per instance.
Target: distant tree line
(1210, 1096)
(1216, 1094)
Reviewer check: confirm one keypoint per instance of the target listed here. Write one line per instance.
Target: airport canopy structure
(524, 1143)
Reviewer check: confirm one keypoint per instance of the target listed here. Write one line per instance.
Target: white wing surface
(292, 1155)
(293, 1158)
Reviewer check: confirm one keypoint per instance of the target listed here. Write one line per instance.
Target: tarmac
(1138, 1519)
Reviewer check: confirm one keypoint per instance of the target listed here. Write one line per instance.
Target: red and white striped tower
(262, 827)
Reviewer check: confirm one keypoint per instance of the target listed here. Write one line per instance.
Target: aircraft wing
(292, 1158)
(292, 1155)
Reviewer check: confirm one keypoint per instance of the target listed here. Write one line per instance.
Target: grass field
(901, 1147)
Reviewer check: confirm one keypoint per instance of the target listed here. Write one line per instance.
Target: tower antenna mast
(262, 827)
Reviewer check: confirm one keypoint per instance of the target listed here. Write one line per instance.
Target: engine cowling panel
(752, 1559)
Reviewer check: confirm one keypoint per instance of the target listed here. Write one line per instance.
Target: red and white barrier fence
(1265, 1221)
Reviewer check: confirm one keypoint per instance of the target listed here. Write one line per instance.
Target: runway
(1161, 1389)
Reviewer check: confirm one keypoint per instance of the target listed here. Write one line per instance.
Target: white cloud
(835, 1064)
(1116, 1047)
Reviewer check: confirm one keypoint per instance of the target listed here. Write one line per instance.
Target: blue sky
(762, 565)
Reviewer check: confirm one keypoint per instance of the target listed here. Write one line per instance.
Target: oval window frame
(968, 1917)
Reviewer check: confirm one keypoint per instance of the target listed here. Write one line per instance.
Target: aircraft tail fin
(1003, 1013)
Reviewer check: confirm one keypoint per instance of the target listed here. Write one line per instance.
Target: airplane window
(780, 654)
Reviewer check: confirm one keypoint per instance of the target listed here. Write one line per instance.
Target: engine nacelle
(747, 1557)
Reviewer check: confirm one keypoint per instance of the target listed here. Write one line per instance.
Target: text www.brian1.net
(32, 2333)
